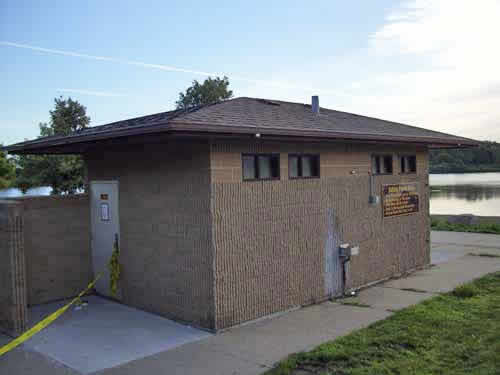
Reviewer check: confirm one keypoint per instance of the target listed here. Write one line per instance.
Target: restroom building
(236, 210)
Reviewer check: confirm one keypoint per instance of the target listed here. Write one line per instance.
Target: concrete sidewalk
(451, 245)
(253, 348)
(256, 347)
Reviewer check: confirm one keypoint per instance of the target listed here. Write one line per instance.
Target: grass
(453, 333)
(438, 224)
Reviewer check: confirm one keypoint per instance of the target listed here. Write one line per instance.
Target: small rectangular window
(264, 166)
(412, 163)
(388, 164)
(375, 164)
(408, 164)
(381, 164)
(249, 170)
(293, 166)
(303, 166)
(260, 166)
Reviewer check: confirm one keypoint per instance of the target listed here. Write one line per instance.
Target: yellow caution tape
(45, 322)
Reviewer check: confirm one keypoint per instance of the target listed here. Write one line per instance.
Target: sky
(433, 64)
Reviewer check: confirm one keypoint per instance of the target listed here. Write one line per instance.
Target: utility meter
(345, 250)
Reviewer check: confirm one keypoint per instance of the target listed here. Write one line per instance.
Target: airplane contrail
(92, 92)
(168, 68)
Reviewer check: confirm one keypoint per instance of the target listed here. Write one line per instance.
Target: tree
(67, 117)
(484, 158)
(209, 92)
(64, 173)
(444, 157)
(7, 171)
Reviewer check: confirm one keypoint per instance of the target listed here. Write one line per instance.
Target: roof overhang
(78, 144)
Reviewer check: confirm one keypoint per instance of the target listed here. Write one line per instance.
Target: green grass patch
(439, 224)
(454, 333)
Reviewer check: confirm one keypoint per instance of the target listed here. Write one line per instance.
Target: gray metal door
(333, 266)
(105, 227)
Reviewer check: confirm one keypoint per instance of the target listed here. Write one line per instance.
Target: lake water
(467, 193)
(13, 192)
(451, 194)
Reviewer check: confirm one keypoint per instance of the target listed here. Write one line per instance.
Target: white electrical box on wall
(355, 250)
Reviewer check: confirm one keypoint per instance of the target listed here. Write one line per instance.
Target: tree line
(484, 158)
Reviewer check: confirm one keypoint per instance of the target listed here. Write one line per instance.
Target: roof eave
(434, 142)
(20, 148)
(45, 146)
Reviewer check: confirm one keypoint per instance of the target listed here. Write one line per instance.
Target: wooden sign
(400, 199)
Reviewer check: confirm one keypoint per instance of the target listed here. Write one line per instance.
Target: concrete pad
(443, 253)
(25, 362)
(106, 334)
(447, 276)
(465, 239)
(268, 341)
(253, 348)
(190, 359)
(4, 339)
(380, 297)
(447, 246)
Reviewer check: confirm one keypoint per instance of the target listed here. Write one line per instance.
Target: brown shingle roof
(250, 116)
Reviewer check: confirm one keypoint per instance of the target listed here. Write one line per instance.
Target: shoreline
(464, 172)
(466, 223)
(480, 219)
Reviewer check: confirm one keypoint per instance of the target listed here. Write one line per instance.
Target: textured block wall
(57, 246)
(164, 208)
(270, 236)
(13, 296)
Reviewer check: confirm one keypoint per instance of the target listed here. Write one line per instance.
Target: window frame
(406, 157)
(299, 166)
(382, 156)
(255, 157)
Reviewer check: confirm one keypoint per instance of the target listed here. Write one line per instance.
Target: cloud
(452, 83)
(92, 93)
(432, 64)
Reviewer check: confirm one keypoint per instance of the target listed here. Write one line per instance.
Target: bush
(465, 291)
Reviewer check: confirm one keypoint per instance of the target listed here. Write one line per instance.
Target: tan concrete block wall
(166, 243)
(270, 236)
(57, 245)
(13, 295)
